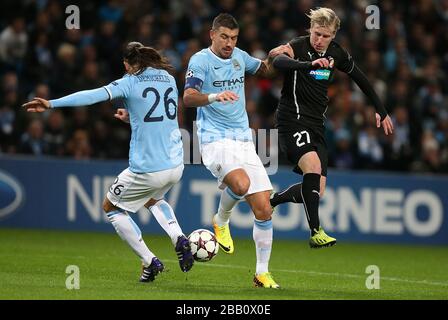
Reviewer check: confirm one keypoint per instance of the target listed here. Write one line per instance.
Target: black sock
(292, 194)
(310, 195)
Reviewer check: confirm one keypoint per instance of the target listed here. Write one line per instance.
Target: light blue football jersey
(151, 100)
(209, 73)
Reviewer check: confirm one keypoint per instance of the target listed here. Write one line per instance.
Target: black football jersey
(304, 93)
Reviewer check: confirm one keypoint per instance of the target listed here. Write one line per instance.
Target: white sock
(226, 203)
(262, 234)
(165, 216)
(130, 233)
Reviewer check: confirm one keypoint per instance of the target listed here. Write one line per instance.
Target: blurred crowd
(406, 60)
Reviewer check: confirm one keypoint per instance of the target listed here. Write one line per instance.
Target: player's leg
(291, 194)
(323, 184)
(166, 218)
(165, 215)
(237, 183)
(293, 149)
(222, 159)
(161, 182)
(294, 193)
(129, 192)
(263, 237)
(310, 165)
(130, 233)
(258, 199)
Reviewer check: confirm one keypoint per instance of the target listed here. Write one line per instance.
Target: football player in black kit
(308, 71)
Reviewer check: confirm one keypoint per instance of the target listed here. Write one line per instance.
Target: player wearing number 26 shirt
(149, 94)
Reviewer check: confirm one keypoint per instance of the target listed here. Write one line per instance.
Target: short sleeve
(195, 75)
(252, 64)
(120, 88)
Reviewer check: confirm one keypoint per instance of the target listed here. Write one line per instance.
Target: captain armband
(194, 83)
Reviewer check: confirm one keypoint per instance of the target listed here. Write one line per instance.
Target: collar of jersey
(220, 59)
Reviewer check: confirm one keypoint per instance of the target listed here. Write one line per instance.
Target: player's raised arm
(347, 65)
(382, 118)
(283, 62)
(265, 68)
(81, 98)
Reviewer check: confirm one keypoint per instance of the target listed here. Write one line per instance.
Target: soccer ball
(203, 245)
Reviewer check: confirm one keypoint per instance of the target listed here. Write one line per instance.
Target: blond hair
(324, 17)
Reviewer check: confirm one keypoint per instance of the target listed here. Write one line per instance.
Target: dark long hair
(137, 55)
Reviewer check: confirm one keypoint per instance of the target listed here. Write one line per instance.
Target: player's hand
(122, 114)
(282, 49)
(37, 105)
(321, 63)
(227, 96)
(387, 124)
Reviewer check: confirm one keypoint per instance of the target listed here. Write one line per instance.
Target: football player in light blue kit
(215, 84)
(150, 96)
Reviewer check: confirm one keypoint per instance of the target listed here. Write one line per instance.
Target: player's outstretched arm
(266, 65)
(283, 62)
(194, 98)
(81, 98)
(282, 49)
(37, 105)
(382, 118)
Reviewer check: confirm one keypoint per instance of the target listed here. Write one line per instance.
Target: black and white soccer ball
(203, 245)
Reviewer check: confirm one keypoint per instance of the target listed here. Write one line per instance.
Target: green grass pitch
(33, 266)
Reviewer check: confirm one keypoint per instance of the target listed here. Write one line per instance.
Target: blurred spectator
(55, 133)
(430, 160)
(64, 71)
(13, 42)
(343, 156)
(78, 146)
(102, 144)
(32, 141)
(165, 46)
(369, 148)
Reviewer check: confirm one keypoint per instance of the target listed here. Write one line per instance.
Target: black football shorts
(295, 140)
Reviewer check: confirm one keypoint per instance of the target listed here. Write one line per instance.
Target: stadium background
(55, 167)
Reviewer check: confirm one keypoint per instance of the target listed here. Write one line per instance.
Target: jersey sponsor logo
(228, 83)
(320, 74)
(236, 65)
(11, 194)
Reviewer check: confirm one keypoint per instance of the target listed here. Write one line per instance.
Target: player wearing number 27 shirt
(308, 72)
